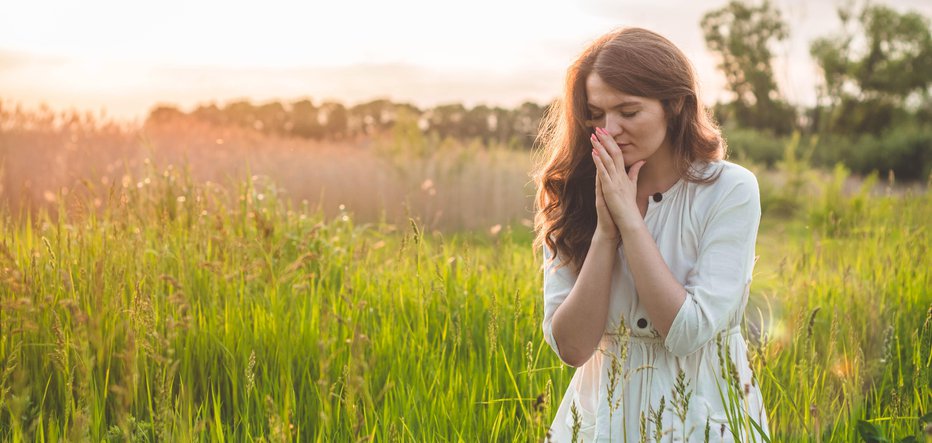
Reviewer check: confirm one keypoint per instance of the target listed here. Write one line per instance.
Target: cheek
(659, 129)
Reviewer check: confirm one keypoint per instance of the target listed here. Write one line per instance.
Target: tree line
(874, 107)
(331, 120)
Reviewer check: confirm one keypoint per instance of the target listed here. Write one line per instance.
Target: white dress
(706, 235)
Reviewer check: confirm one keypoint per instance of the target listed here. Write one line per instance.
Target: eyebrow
(620, 105)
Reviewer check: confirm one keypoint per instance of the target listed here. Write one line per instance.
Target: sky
(124, 57)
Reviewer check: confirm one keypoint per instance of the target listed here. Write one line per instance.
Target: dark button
(658, 196)
(642, 323)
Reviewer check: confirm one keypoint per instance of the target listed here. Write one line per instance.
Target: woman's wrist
(627, 216)
(631, 226)
(601, 237)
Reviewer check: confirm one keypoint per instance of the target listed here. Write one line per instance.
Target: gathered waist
(654, 340)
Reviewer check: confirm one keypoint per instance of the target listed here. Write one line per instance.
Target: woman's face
(637, 124)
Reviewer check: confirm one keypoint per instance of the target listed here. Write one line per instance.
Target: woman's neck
(658, 174)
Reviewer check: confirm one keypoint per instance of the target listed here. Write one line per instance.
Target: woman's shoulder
(733, 185)
(726, 177)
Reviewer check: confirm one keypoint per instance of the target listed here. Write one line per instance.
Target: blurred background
(429, 110)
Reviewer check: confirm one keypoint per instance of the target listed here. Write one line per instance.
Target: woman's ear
(673, 107)
(676, 105)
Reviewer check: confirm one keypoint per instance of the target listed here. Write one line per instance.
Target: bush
(904, 149)
(755, 146)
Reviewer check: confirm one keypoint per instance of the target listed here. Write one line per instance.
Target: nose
(613, 125)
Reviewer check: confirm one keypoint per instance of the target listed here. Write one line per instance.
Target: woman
(648, 243)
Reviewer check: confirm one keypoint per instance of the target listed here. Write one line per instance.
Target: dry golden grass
(448, 185)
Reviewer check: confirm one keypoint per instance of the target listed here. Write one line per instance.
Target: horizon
(98, 56)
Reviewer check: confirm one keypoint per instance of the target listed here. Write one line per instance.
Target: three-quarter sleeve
(558, 281)
(716, 286)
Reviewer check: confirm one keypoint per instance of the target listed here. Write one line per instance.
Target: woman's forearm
(658, 290)
(578, 324)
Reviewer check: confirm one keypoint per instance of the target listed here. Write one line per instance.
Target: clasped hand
(618, 187)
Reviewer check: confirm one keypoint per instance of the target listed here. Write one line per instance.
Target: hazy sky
(126, 56)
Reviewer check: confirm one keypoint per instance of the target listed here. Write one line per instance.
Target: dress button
(658, 196)
(642, 323)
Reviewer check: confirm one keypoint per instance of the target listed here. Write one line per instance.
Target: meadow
(167, 304)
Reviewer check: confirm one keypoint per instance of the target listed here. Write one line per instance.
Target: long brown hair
(638, 62)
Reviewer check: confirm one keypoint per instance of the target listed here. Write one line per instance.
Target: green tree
(371, 117)
(241, 113)
(741, 34)
(874, 69)
(334, 118)
(501, 124)
(304, 118)
(447, 120)
(271, 118)
(526, 124)
(163, 114)
(210, 113)
(476, 123)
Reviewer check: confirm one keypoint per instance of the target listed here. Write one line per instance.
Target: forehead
(603, 95)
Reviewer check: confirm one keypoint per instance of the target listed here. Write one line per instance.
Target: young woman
(648, 242)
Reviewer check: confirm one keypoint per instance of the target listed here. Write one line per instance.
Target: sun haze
(127, 56)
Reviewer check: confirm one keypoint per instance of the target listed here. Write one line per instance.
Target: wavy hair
(638, 62)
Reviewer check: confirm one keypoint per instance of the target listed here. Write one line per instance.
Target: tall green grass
(182, 313)
(179, 312)
(849, 335)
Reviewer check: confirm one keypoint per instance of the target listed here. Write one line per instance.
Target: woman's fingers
(598, 184)
(614, 151)
(608, 162)
(600, 166)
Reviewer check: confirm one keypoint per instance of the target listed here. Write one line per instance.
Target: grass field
(157, 305)
(185, 313)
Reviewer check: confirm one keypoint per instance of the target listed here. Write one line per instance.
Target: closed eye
(594, 117)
